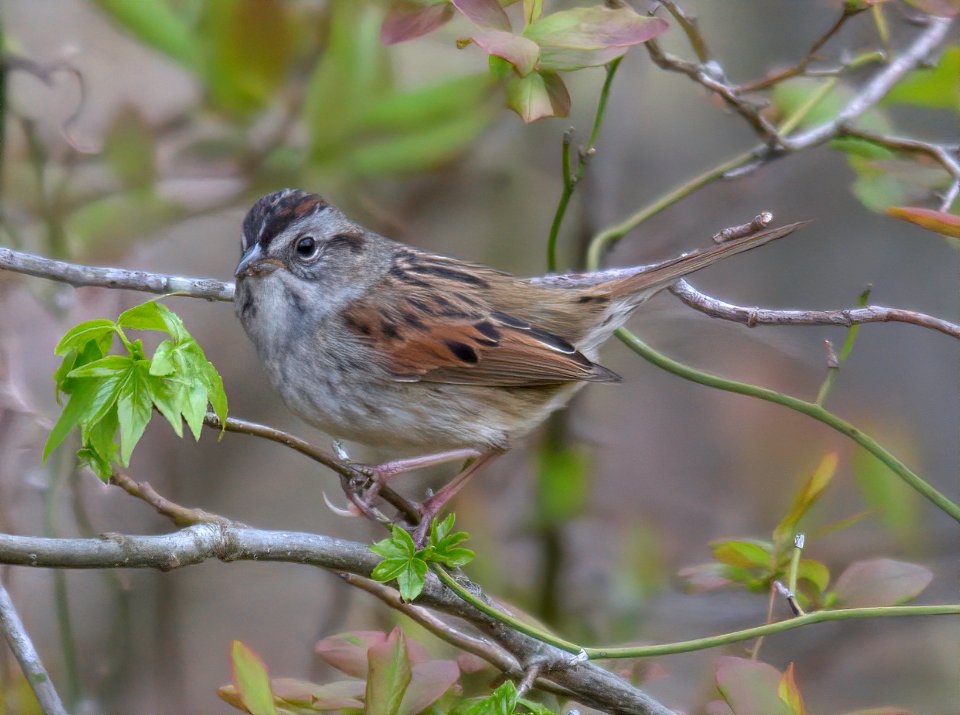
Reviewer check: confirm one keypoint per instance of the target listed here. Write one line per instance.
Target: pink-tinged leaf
(790, 693)
(518, 51)
(347, 652)
(704, 577)
(750, 687)
(389, 674)
(330, 696)
(880, 582)
(538, 95)
(590, 36)
(484, 13)
(428, 682)
(470, 663)
(805, 498)
(937, 221)
(252, 681)
(943, 8)
(409, 20)
(717, 707)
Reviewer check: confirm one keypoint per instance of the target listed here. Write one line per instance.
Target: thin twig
(19, 641)
(843, 317)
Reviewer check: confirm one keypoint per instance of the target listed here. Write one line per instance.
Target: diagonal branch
(26, 654)
(593, 685)
(844, 317)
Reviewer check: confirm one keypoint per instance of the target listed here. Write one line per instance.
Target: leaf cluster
(110, 392)
(408, 565)
(530, 61)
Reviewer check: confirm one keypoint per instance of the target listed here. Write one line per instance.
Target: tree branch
(192, 545)
(19, 641)
(844, 317)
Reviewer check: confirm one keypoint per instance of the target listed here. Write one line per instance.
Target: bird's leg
(381, 473)
(432, 506)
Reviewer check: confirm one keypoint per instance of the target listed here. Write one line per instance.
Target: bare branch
(844, 317)
(19, 641)
(876, 88)
(109, 277)
(593, 685)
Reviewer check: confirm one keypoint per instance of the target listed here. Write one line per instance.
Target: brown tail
(660, 275)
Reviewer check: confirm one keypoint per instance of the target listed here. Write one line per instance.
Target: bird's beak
(254, 262)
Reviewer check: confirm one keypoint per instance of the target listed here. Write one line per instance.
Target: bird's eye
(307, 247)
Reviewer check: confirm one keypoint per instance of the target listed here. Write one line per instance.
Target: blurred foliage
(386, 674)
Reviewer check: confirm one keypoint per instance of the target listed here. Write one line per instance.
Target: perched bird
(381, 343)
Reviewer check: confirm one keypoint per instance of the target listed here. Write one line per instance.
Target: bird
(378, 342)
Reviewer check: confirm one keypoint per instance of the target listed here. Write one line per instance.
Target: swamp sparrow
(378, 342)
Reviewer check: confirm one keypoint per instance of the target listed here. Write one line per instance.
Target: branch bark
(593, 685)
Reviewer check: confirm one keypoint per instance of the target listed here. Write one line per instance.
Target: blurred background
(138, 150)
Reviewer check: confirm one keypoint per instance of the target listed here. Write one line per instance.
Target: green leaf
(251, 680)
(412, 579)
(805, 498)
(589, 36)
(532, 10)
(414, 109)
(129, 150)
(193, 405)
(82, 333)
(110, 366)
(935, 88)
(440, 529)
(563, 483)
(163, 394)
(157, 25)
(403, 539)
(815, 573)
(216, 395)
(390, 568)
(388, 675)
(90, 400)
(897, 505)
(538, 95)
(134, 409)
(743, 553)
(880, 582)
(789, 692)
(154, 315)
(502, 701)
(249, 44)
(162, 362)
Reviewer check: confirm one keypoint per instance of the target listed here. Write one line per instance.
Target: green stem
(498, 615)
(843, 614)
(697, 643)
(570, 180)
(811, 409)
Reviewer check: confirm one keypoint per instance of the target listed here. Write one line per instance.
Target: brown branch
(844, 317)
(179, 515)
(690, 28)
(942, 154)
(800, 67)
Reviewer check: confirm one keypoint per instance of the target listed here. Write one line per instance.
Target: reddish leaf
(590, 36)
(330, 696)
(538, 95)
(704, 577)
(943, 8)
(880, 582)
(347, 652)
(937, 221)
(251, 680)
(389, 674)
(428, 682)
(789, 693)
(518, 51)
(750, 687)
(470, 663)
(484, 13)
(409, 20)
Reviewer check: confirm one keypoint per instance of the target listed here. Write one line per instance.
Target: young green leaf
(82, 333)
(538, 95)
(251, 680)
(134, 409)
(388, 675)
(412, 579)
(805, 498)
